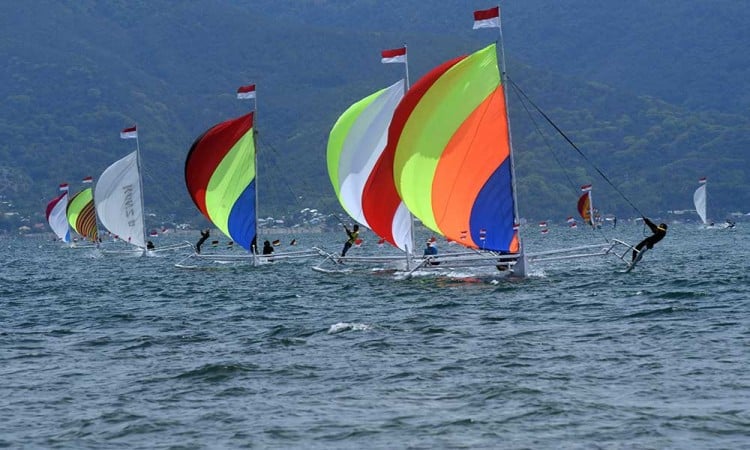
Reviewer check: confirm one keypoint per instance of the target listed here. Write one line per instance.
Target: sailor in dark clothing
(267, 248)
(150, 245)
(659, 233)
(352, 235)
(204, 235)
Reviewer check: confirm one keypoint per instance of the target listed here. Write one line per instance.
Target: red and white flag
(129, 133)
(586, 188)
(396, 55)
(88, 180)
(246, 92)
(487, 18)
(702, 180)
(64, 187)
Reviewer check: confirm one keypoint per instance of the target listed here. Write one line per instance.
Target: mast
(705, 202)
(588, 190)
(140, 184)
(246, 93)
(409, 251)
(255, 163)
(520, 267)
(394, 56)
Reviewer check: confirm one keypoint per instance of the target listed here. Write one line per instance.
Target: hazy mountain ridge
(79, 71)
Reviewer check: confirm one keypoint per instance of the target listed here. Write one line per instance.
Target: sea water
(102, 352)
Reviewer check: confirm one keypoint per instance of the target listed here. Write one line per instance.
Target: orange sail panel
(451, 148)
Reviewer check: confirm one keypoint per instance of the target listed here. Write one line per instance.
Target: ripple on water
(581, 356)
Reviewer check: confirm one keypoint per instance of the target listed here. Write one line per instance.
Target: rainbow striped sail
(220, 177)
(451, 153)
(82, 216)
(360, 175)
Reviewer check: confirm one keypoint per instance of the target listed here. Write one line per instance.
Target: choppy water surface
(135, 353)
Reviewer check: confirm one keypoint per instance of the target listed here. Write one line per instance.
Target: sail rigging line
(306, 186)
(574, 188)
(580, 152)
(157, 188)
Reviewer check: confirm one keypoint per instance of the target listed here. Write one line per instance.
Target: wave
(348, 326)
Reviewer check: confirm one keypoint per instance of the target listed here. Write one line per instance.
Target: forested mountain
(654, 94)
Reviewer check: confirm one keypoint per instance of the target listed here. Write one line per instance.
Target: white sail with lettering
(118, 200)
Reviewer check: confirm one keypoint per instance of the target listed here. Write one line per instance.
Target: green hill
(79, 71)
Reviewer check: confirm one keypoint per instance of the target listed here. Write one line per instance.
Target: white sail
(117, 197)
(699, 199)
(356, 144)
(57, 217)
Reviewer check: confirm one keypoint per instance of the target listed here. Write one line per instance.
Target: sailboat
(362, 178)
(589, 214)
(699, 200)
(56, 215)
(119, 201)
(221, 178)
(449, 146)
(81, 214)
(452, 159)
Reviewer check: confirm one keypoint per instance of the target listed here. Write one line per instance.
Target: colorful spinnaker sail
(220, 176)
(699, 200)
(451, 153)
(82, 216)
(361, 177)
(57, 218)
(585, 206)
(118, 200)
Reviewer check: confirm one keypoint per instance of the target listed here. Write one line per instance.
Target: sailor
(204, 235)
(267, 248)
(659, 233)
(150, 245)
(430, 249)
(353, 235)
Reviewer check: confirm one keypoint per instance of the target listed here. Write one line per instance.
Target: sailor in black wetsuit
(204, 235)
(659, 233)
